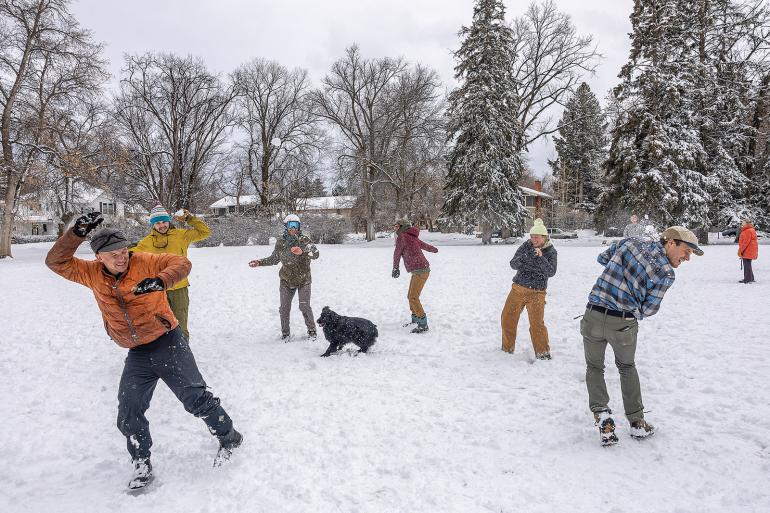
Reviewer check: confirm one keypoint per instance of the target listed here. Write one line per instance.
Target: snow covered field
(440, 422)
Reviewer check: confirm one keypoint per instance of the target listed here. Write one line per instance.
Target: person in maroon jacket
(410, 247)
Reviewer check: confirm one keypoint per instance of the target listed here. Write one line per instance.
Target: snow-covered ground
(439, 422)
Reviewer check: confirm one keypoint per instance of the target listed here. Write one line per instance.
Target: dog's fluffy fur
(340, 330)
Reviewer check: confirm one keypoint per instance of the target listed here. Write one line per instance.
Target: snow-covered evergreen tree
(581, 148)
(656, 159)
(725, 33)
(485, 158)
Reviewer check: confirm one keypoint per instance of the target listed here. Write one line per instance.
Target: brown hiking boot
(606, 427)
(641, 429)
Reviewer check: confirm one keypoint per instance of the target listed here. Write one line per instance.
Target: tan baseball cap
(681, 233)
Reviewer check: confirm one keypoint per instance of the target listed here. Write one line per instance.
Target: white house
(329, 205)
(39, 213)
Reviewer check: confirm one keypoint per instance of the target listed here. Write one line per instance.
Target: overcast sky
(312, 34)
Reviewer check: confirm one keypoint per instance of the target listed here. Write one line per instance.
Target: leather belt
(613, 313)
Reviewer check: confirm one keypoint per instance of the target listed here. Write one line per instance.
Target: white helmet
(291, 217)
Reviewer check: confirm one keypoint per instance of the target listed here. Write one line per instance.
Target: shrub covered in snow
(240, 231)
(326, 229)
(27, 239)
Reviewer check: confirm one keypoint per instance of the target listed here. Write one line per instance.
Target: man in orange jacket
(130, 292)
(748, 250)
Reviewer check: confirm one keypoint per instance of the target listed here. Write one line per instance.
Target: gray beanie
(108, 239)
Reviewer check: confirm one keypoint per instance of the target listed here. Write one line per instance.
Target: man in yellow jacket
(165, 239)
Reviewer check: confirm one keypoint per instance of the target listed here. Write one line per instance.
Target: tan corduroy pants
(415, 288)
(534, 301)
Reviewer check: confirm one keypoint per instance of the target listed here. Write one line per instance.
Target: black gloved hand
(396, 273)
(85, 224)
(148, 285)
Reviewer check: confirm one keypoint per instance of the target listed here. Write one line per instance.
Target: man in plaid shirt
(636, 275)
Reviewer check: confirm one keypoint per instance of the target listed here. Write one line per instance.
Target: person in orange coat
(129, 289)
(748, 250)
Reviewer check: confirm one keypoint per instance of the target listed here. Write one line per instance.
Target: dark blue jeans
(168, 358)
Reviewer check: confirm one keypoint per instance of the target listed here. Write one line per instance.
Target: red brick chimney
(538, 199)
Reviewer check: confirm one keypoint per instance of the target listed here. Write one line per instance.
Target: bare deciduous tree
(416, 149)
(174, 115)
(48, 65)
(354, 97)
(551, 62)
(283, 139)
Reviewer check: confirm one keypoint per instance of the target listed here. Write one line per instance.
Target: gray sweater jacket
(533, 271)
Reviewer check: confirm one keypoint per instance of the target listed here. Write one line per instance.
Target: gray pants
(598, 330)
(287, 295)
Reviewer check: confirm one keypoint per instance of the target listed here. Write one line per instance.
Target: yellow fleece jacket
(175, 241)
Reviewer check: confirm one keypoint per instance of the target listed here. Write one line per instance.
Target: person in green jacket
(164, 238)
(294, 251)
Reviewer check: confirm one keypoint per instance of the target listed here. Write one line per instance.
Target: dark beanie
(108, 239)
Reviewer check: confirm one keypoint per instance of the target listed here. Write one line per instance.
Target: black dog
(339, 330)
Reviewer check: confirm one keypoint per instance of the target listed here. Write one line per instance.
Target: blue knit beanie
(158, 214)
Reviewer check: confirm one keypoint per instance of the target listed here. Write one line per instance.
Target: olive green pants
(598, 330)
(179, 301)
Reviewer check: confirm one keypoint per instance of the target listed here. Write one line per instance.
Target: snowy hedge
(246, 231)
(240, 231)
(27, 239)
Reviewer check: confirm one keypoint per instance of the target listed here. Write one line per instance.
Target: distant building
(326, 205)
(40, 213)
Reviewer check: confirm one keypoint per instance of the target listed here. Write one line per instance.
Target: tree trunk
(703, 235)
(7, 219)
(486, 232)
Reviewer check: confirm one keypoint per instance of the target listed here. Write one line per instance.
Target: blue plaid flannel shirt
(636, 275)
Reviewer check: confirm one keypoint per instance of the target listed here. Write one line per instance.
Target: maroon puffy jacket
(410, 247)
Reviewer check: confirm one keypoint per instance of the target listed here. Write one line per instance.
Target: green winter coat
(295, 269)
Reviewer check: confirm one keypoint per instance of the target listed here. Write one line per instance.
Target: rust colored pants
(415, 288)
(534, 300)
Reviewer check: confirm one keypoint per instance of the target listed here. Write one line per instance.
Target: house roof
(326, 203)
(533, 192)
(230, 201)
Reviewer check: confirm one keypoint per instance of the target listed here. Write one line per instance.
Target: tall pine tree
(485, 161)
(724, 34)
(657, 160)
(581, 148)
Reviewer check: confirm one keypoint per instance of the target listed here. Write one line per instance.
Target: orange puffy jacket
(747, 244)
(130, 320)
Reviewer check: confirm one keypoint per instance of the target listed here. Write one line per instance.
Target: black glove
(149, 285)
(86, 224)
(396, 273)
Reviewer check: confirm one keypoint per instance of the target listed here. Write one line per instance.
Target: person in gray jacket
(634, 228)
(294, 251)
(535, 262)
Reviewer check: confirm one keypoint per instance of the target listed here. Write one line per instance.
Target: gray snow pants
(598, 330)
(168, 358)
(287, 295)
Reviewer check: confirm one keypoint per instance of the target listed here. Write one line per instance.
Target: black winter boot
(142, 474)
(227, 443)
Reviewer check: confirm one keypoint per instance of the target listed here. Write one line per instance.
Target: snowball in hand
(179, 213)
